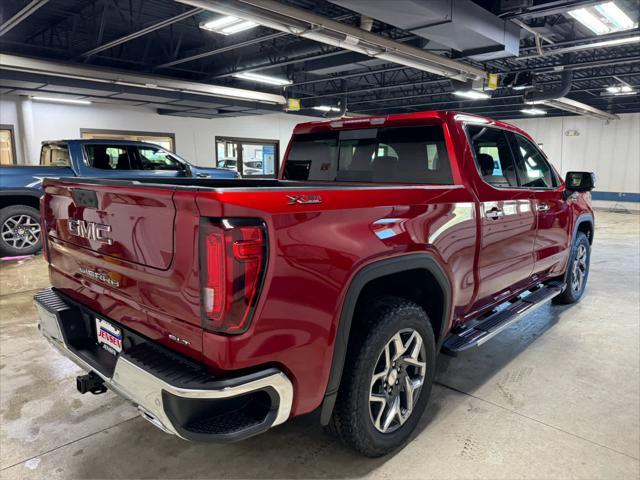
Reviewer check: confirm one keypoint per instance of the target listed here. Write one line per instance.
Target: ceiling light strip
(60, 100)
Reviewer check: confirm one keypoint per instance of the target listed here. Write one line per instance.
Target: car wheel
(387, 377)
(578, 271)
(19, 231)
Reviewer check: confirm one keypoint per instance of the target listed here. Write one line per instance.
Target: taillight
(232, 269)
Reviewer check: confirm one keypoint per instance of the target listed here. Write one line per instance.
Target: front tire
(19, 231)
(387, 378)
(578, 271)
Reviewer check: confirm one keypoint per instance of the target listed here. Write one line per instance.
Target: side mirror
(580, 181)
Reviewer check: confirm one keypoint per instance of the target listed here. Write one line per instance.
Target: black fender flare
(21, 192)
(372, 271)
(7, 194)
(582, 218)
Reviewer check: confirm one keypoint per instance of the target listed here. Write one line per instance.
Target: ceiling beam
(150, 83)
(217, 51)
(23, 14)
(306, 24)
(140, 33)
(557, 7)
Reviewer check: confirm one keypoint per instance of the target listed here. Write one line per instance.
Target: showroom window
(165, 140)
(249, 157)
(380, 155)
(7, 145)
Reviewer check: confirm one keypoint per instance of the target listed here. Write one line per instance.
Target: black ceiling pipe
(557, 92)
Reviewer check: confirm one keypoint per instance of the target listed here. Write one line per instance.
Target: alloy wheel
(579, 268)
(20, 231)
(397, 380)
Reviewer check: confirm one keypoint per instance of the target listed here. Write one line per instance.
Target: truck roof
(99, 141)
(415, 118)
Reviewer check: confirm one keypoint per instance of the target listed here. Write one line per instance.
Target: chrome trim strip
(145, 390)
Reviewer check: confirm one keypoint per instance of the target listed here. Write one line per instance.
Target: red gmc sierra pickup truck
(224, 307)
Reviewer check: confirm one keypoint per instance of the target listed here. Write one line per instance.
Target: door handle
(543, 207)
(202, 175)
(494, 213)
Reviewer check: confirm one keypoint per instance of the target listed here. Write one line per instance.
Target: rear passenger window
(54, 155)
(533, 169)
(377, 155)
(493, 156)
(109, 157)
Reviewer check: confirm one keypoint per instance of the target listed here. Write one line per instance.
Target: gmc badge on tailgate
(90, 230)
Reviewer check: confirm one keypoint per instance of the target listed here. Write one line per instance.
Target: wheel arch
(29, 198)
(364, 277)
(584, 223)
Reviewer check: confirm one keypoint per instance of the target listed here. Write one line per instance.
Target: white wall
(611, 150)
(195, 138)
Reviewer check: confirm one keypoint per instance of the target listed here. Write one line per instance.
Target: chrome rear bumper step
(170, 391)
(485, 329)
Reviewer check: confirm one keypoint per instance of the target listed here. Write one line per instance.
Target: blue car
(21, 186)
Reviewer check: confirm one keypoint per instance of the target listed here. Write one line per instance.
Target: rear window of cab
(415, 154)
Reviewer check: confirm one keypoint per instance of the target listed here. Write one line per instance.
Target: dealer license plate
(109, 336)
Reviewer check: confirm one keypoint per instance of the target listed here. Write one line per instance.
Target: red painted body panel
(315, 250)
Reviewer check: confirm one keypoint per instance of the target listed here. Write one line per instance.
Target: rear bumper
(173, 393)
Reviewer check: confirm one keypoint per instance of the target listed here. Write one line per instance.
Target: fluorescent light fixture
(326, 108)
(620, 89)
(219, 23)
(61, 100)
(533, 111)
(590, 21)
(228, 25)
(256, 77)
(615, 16)
(472, 94)
(603, 18)
(238, 27)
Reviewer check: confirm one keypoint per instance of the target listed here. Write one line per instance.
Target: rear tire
(578, 271)
(19, 231)
(387, 377)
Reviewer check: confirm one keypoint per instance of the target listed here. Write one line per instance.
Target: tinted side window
(493, 156)
(533, 169)
(54, 155)
(110, 157)
(153, 158)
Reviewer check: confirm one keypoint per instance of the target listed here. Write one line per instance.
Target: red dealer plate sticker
(109, 336)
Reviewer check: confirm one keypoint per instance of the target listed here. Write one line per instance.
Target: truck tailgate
(130, 254)
(101, 219)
